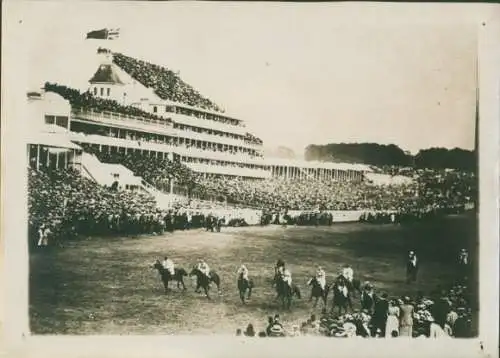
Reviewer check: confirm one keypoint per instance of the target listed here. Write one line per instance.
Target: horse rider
(348, 274)
(243, 271)
(280, 266)
(168, 265)
(321, 277)
(287, 277)
(203, 268)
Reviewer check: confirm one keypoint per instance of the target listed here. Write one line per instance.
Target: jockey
(168, 264)
(243, 271)
(280, 266)
(287, 277)
(203, 267)
(348, 273)
(321, 277)
(341, 286)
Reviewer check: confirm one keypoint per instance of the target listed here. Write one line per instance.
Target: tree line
(384, 155)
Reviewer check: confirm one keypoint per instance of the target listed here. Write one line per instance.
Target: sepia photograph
(263, 170)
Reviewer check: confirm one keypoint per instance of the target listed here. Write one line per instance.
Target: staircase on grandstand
(106, 174)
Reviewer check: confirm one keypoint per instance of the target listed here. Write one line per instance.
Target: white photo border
(17, 340)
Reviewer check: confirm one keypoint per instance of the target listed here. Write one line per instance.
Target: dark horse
(285, 291)
(166, 276)
(244, 286)
(317, 291)
(341, 295)
(202, 281)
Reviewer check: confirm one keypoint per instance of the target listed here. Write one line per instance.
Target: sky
(297, 74)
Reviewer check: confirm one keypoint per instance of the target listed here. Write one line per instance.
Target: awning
(57, 140)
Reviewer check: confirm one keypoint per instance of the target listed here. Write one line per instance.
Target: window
(155, 109)
(95, 91)
(62, 121)
(102, 91)
(50, 119)
(108, 90)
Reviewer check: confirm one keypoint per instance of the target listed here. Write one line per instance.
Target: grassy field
(107, 286)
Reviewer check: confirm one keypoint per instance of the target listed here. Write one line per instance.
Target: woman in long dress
(406, 319)
(392, 319)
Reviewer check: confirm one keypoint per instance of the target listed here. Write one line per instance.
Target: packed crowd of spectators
(67, 200)
(165, 83)
(157, 171)
(63, 200)
(444, 314)
(89, 102)
(64, 205)
(430, 191)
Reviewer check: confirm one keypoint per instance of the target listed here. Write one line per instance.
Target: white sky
(296, 73)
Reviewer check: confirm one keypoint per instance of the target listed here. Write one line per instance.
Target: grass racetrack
(107, 285)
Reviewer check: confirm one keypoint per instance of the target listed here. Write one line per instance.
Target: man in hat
(41, 235)
(411, 267)
(463, 263)
(463, 257)
(368, 297)
(441, 308)
(380, 313)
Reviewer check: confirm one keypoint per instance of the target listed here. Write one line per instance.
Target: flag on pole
(104, 34)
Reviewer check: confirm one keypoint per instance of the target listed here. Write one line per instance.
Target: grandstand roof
(106, 74)
(57, 140)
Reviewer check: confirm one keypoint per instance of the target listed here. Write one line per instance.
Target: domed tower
(106, 83)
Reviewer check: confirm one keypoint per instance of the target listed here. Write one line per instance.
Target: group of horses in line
(343, 289)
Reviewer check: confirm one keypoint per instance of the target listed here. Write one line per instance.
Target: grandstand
(135, 109)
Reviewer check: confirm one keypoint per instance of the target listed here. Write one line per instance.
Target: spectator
(406, 318)
(250, 332)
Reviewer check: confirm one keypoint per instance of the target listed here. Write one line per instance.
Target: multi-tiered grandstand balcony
(135, 106)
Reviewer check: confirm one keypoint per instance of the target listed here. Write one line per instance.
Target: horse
(202, 281)
(166, 276)
(341, 294)
(285, 291)
(353, 286)
(244, 286)
(317, 291)
(341, 297)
